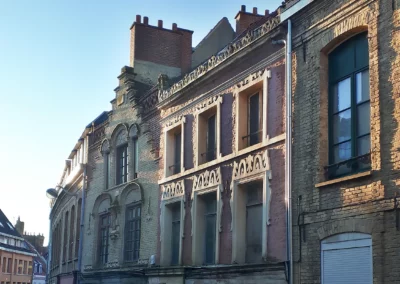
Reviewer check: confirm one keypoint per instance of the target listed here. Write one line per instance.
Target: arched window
(71, 233)
(121, 143)
(78, 227)
(349, 107)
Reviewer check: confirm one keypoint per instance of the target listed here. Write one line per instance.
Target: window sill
(343, 179)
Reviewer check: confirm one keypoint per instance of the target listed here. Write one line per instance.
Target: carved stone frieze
(112, 264)
(97, 136)
(174, 120)
(207, 179)
(252, 164)
(209, 102)
(224, 54)
(250, 78)
(174, 189)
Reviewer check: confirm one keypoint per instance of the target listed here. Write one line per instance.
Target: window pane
(254, 234)
(342, 152)
(363, 145)
(211, 139)
(362, 86)
(254, 119)
(177, 158)
(363, 119)
(210, 239)
(342, 95)
(342, 126)
(175, 242)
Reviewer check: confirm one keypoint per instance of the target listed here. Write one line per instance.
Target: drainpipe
(82, 223)
(288, 144)
(288, 148)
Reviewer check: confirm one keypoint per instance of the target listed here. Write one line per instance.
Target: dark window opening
(104, 232)
(122, 164)
(177, 152)
(132, 233)
(210, 219)
(176, 231)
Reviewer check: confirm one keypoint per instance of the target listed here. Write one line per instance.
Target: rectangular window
(104, 237)
(210, 219)
(177, 152)
(30, 268)
(3, 269)
(9, 265)
(211, 138)
(122, 164)
(176, 229)
(254, 222)
(78, 227)
(25, 267)
(132, 233)
(15, 266)
(254, 120)
(20, 266)
(135, 157)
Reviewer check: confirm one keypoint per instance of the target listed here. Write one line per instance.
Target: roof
(98, 120)
(6, 227)
(18, 249)
(220, 22)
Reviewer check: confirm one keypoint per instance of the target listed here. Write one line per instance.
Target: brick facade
(364, 202)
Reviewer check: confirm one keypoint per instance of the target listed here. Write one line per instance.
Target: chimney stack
(138, 19)
(267, 12)
(245, 19)
(155, 50)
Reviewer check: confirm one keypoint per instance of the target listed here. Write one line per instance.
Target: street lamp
(53, 193)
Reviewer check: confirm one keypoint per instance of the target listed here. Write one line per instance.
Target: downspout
(288, 144)
(288, 148)
(82, 221)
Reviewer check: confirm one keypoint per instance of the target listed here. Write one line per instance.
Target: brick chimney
(156, 50)
(244, 19)
(19, 226)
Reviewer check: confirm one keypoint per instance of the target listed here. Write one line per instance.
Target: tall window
(254, 119)
(104, 232)
(9, 265)
(15, 266)
(25, 267)
(30, 268)
(3, 269)
(211, 138)
(66, 224)
(254, 222)
(177, 152)
(176, 229)
(71, 232)
(349, 107)
(132, 233)
(135, 157)
(78, 227)
(210, 219)
(122, 164)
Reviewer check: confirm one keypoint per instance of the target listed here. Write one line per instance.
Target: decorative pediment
(174, 189)
(209, 102)
(223, 55)
(207, 179)
(252, 164)
(175, 120)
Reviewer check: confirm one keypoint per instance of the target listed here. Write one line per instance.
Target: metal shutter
(349, 264)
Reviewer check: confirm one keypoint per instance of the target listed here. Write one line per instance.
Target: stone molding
(210, 102)
(174, 121)
(172, 190)
(256, 76)
(223, 55)
(207, 179)
(347, 226)
(251, 165)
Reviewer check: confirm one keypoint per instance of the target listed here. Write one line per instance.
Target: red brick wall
(161, 46)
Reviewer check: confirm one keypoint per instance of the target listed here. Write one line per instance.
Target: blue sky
(59, 62)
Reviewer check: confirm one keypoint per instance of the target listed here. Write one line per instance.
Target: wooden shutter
(211, 137)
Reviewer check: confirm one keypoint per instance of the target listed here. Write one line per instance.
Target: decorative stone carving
(207, 179)
(105, 147)
(209, 102)
(250, 78)
(97, 136)
(174, 120)
(171, 190)
(252, 164)
(163, 82)
(121, 138)
(214, 61)
(134, 131)
(143, 261)
(88, 267)
(112, 264)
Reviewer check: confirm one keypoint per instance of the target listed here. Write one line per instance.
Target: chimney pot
(145, 20)
(255, 10)
(160, 23)
(138, 19)
(174, 26)
(243, 8)
(267, 12)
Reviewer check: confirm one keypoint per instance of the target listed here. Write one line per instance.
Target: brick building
(346, 140)
(16, 257)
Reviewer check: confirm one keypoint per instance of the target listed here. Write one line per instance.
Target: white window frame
(245, 172)
(171, 194)
(214, 102)
(250, 86)
(168, 153)
(206, 182)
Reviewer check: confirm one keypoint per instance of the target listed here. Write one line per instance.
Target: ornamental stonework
(207, 179)
(174, 189)
(223, 55)
(250, 165)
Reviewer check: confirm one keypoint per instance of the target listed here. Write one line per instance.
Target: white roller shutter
(347, 261)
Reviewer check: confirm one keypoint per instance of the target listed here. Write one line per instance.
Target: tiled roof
(20, 249)
(6, 227)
